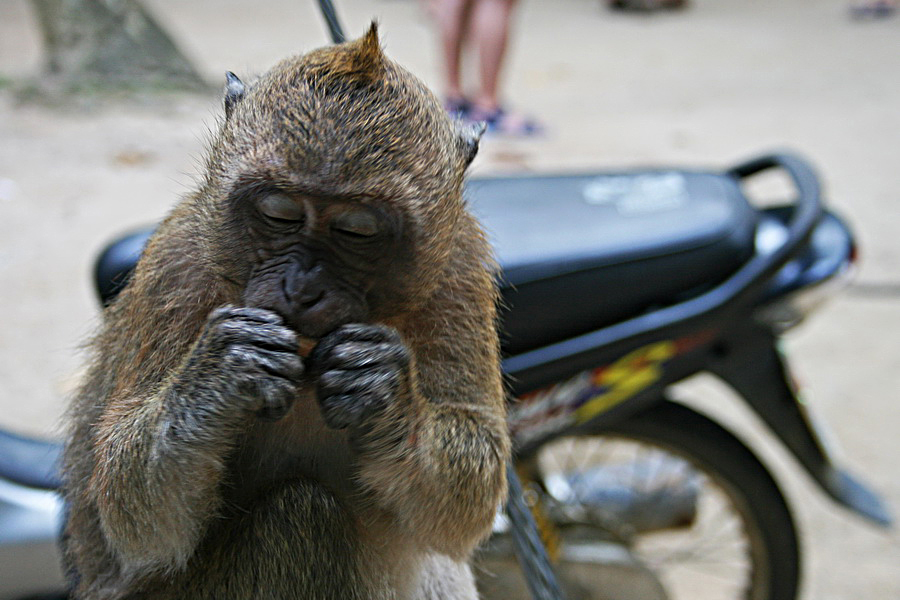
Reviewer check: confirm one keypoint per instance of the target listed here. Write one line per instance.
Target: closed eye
(280, 207)
(357, 224)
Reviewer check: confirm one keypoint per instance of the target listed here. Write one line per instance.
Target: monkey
(298, 394)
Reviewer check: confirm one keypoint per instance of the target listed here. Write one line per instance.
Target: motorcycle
(662, 274)
(616, 286)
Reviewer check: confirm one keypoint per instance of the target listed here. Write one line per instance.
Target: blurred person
(873, 9)
(486, 25)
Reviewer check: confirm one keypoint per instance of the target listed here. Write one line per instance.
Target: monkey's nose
(303, 287)
(310, 297)
(310, 287)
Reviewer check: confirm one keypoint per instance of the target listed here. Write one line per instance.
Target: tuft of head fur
(360, 60)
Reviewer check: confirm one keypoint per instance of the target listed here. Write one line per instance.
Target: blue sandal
(501, 122)
(874, 9)
(458, 108)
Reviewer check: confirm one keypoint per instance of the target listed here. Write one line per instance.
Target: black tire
(752, 497)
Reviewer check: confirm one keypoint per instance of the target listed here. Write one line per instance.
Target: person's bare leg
(490, 28)
(452, 18)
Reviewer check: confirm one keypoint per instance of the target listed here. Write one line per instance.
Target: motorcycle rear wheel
(739, 542)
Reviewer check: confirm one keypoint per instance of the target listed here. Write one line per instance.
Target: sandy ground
(718, 83)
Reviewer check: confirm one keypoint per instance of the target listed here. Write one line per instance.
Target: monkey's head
(334, 188)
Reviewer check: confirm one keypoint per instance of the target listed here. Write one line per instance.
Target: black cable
(331, 19)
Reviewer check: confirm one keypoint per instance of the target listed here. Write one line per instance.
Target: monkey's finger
(360, 355)
(360, 334)
(343, 411)
(250, 362)
(258, 315)
(366, 385)
(364, 332)
(288, 365)
(274, 337)
(276, 396)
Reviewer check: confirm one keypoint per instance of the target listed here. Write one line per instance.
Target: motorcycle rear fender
(750, 362)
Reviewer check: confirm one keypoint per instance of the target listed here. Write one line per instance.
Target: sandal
(502, 122)
(646, 5)
(873, 9)
(458, 108)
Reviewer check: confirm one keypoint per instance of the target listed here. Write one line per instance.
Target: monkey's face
(319, 262)
(338, 176)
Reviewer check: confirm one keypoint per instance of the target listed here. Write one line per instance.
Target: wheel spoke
(712, 549)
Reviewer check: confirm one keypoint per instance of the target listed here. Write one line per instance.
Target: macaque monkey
(298, 394)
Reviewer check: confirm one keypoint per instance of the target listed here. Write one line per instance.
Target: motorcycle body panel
(772, 393)
(30, 521)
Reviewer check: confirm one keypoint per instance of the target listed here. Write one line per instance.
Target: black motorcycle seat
(30, 462)
(578, 252)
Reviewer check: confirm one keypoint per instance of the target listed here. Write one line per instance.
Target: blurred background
(702, 87)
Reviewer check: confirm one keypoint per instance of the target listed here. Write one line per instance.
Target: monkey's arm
(446, 479)
(155, 490)
(430, 428)
(159, 459)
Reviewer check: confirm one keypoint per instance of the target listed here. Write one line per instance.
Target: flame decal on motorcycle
(590, 393)
(624, 378)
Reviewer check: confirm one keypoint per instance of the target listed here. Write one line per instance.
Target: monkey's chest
(298, 447)
(297, 540)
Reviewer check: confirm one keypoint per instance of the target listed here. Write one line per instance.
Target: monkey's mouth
(305, 345)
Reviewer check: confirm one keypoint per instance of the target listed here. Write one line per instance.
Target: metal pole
(331, 19)
(527, 542)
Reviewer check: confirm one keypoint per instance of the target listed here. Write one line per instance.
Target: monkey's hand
(430, 452)
(248, 357)
(362, 370)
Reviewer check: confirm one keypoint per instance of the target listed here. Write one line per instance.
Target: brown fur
(174, 495)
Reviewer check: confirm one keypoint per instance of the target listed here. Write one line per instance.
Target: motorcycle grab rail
(543, 366)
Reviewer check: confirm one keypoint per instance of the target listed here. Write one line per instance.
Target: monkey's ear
(234, 92)
(470, 136)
